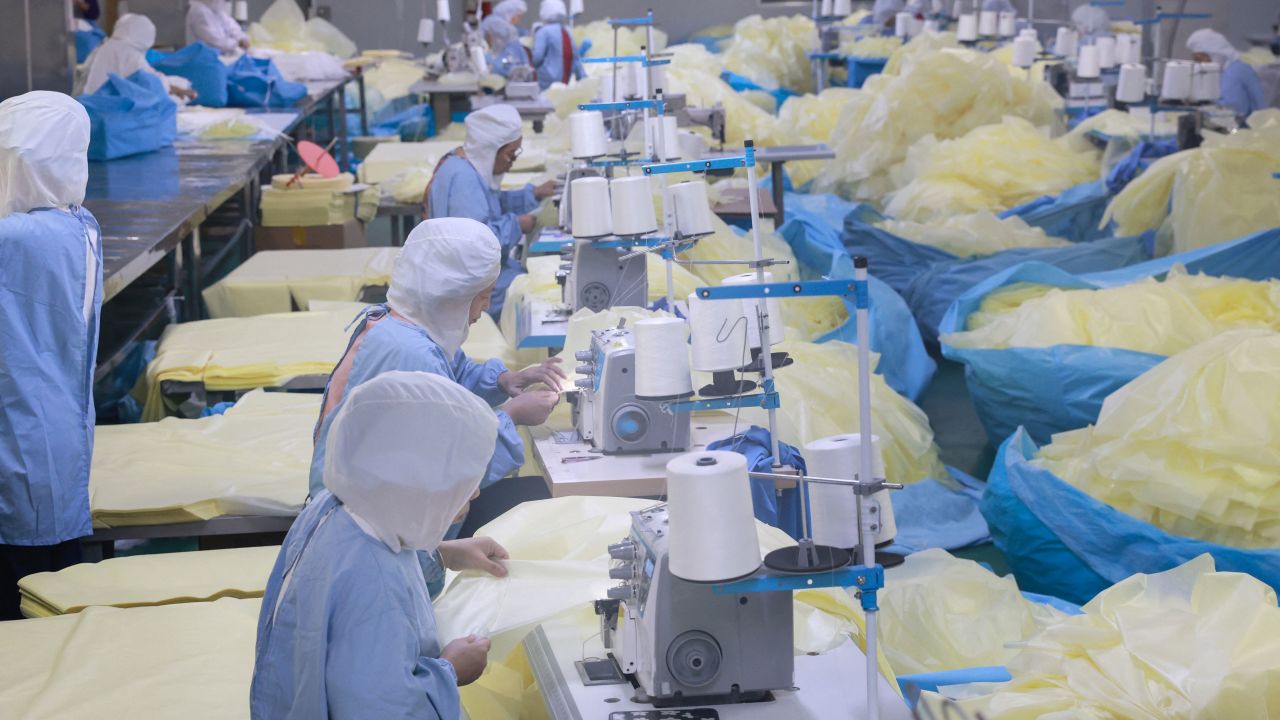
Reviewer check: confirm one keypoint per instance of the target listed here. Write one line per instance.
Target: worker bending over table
(125, 53)
(210, 22)
(1241, 88)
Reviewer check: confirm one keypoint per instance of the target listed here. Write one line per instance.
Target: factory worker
(125, 53)
(554, 54)
(1241, 88)
(884, 13)
(346, 628)
(50, 295)
(467, 183)
(998, 6)
(505, 50)
(512, 11)
(1091, 22)
(210, 22)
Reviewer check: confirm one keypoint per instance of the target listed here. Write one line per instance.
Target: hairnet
(44, 147)
(1090, 20)
(445, 263)
(406, 452)
(488, 130)
(508, 9)
(1213, 44)
(885, 10)
(124, 53)
(502, 31)
(136, 31)
(550, 11)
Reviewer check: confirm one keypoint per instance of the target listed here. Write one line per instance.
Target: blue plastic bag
(257, 83)
(812, 232)
(199, 64)
(88, 40)
(1060, 388)
(1060, 541)
(743, 84)
(862, 68)
(1073, 215)
(128, 116)
(771, 508)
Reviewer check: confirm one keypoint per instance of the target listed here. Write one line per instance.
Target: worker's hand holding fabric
(545, 190)
(531, 408)
(548, 373)
(469, 656)
(477, 553)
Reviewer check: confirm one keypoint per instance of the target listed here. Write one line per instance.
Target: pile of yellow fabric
(278, 281)
(630, 39)
(773, 53)
(991, 168)
(1190, 446)
(944, 93)
(695, 72)
(981, 233)
(1220, 191)
(1259, 56)
(284, 27)
(1119, 124)
(390, 79)
(871, 46)
(1186, 643)
(313, 200)
(1150, 316)
(811, 119)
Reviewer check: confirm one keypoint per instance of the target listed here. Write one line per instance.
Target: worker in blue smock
(884, 13)
(1091, 23)
(467, 183)
(512, 11)
(505, 50)
(50, 295)
(554, 54)
(1241, 88)
(346, 628)
(998, 6)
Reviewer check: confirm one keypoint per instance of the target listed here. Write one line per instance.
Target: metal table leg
(345, 161)
(364, 105)
(191, 269)
(775, 172)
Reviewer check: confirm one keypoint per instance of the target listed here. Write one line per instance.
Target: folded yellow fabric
(253, 460)
(279, 281)
(316, 201)
(1190, 445)
(811, 119)
(1186, 643)
(695, 72)
(980, 233)
(193, 660)
(284, 27)
(1163, 317)
(773, 53)
(942, 613)
(164, 579)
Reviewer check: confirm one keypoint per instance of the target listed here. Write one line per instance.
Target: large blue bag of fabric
(1060, 541)
(88, 37)
(1060, 388)
(741, 83)
(257, 83)
(128, 116)
(862, 68)
(1074, 214)
(199, 64)
(812, 232)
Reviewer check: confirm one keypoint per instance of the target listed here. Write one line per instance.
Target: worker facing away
(554, 55)
(125, 53)
(505, 50)
(513, 11)
(467, 184)
(1241, 88)
(50, 297)
(210, 22)
(346, 628)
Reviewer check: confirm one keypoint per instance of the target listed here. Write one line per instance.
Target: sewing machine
(712, 118)
(606, 411)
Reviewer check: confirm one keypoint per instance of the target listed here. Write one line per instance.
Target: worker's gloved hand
(531, 408)
(244, 44)
(481, 553)
(527, 222)
(468, 656)
(545, 190)
(548, 372)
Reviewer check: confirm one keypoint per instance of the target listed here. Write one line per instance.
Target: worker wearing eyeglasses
(467, 183)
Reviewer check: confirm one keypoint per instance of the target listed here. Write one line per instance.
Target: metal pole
(865, 541)
(762, 305)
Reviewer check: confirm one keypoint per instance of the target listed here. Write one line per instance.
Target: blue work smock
(48, 350)
(511, 56)
(549, 55)
(1242, 89)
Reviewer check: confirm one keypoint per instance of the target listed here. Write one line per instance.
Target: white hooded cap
(487, 131)
(1213, 44)
(885, 10)
(1090, 20)
(508, 9)
(445, 263)
(124, 53)
(500, 30)
(44, 152)
(405, 454)
(552, 11)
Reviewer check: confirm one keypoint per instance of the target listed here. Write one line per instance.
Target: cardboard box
(350, 234)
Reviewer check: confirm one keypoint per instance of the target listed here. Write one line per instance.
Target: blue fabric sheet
(930, 514)
(1060, 541)
(781, 510)
(128, 116)
(862, 68)
(1051, 390)
(1073, 215)
(87, 41)
(199, 64)
(743, 84)
(257, 83)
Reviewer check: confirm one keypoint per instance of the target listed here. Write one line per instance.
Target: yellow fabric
(810, 119)
(245, 353)
(871, 46)
(773, 52)
(390, 79)
(277, 281)
(314, 200)
(696, 72)
(1259, 56)
(387, 160)
(193, 660)
(1117, 123)
(1190, 446)
(1220, 191)
(1186, 643)
(630, 39)
(940, 613)
(253, 460)
(284, 27)
(924, 91)
(164, 579)
(991, 168)
(1152, 316)
(981, 233)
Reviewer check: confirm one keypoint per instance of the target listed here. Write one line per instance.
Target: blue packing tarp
(781, 510)
(1074, 214)
(1055, 389)
(930, 279)
(862, 68)
(1060, 541)
(88, 40)
(257, 83)
(744, 84)
(416, 122)
(199, 64)
(812, 232)
(128, 116)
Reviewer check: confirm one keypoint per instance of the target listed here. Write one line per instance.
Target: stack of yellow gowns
(313, 200)
(279, 281)
(773, 53)
(981, 233)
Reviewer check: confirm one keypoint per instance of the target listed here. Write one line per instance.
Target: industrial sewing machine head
(522, 83)
(606, 410)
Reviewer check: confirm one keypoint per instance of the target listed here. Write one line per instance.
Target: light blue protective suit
(363, 644)
(1242, 89)
(512, 55)
(47, 358)
(457, 190)
(548, 55)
